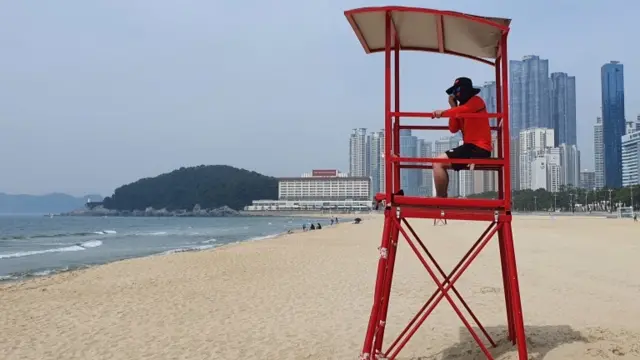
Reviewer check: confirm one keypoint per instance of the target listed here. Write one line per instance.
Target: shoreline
(6, 280)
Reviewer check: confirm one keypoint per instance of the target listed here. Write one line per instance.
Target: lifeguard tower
(392, 29)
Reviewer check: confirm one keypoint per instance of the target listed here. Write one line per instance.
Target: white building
(539, 161)
(598, 153)
(532, 143)
(545, 171)
(570, 164)
(536, 138)
(309, 205)
(319, 190)
(358, 153)
(631, 159)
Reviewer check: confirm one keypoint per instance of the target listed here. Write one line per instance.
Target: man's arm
(462, 109)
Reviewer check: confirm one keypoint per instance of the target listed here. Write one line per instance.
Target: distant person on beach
(304, 227)
(635, 217)
(331, 221)
(312, 227)
(319, 226)
(336, 220)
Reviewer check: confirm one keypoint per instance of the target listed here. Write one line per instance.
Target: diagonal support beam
(444, 288)
(447, 277)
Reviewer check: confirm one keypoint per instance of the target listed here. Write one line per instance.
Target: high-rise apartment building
(484, 181)
(613, 121)
(529, 101)
(529, 94)
(425, 150)
(409, 178)
(488, 94)
(358, 153)
(631, 157)
(588, 179)
(545, 171)
(569, 165)
(536, 139)
(375, 150)
(563, 108)
(539, 160)
(598, 154)
(515, 163)
(632, 126)
(439, 147)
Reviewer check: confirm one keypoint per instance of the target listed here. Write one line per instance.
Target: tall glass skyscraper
(613, 122)
(488, 94)
(563, 108)
(529, 94)
(409, 178)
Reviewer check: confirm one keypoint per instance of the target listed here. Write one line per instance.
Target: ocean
(33, 246)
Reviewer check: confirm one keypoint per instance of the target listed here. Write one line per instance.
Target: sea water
(38, 245)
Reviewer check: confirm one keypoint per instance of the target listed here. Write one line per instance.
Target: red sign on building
(324, 173)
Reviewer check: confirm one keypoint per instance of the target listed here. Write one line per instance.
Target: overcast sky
(96, 94)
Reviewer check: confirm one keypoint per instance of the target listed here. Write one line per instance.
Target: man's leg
(441, 177)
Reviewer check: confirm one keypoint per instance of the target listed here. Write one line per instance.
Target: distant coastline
(100, 211)
(224, 211)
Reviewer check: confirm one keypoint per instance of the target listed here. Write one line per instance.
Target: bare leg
(441, 177)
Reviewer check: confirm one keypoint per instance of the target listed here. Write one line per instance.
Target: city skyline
(545, 151)
(96, 95)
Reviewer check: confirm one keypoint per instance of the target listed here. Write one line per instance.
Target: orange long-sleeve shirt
(474, 130)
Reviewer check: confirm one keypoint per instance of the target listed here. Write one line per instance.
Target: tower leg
(506, 284)
(386, 290)
(516, 305)
(374, 319)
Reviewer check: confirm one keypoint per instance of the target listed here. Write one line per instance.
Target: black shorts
(467, 151)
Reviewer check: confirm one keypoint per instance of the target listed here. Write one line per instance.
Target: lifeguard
(476, 132)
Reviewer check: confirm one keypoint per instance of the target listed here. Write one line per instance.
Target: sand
(308, 296)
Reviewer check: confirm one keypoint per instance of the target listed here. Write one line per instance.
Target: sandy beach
(308, 296)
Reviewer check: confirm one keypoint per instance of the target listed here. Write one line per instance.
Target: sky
(97, 94)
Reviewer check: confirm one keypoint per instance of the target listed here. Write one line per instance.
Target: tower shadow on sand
(540, 341)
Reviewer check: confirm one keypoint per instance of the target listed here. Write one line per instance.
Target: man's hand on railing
(437, 113)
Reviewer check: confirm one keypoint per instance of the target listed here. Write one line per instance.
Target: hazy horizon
(97, 94)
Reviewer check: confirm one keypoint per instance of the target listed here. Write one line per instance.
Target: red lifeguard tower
(391, 29)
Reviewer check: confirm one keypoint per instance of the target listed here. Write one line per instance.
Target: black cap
(464, 83)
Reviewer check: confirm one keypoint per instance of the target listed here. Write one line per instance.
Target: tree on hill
(209, 186)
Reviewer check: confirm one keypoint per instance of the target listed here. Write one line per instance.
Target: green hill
(210, 186)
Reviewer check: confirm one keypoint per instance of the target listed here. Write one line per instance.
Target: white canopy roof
(420, 29)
